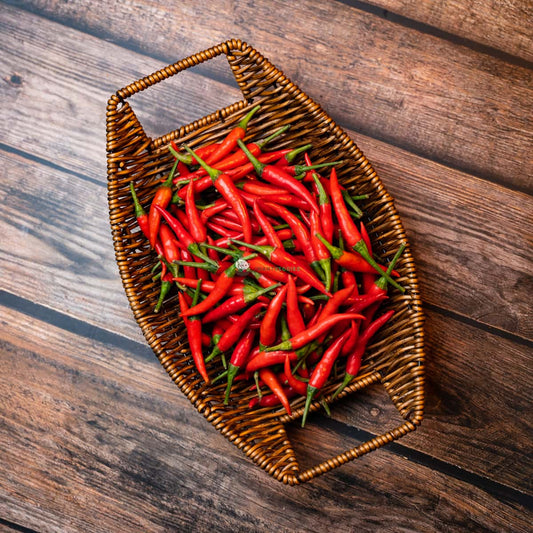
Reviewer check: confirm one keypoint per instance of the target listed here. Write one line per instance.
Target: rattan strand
(396, 357)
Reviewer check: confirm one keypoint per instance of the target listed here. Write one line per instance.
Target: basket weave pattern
(396, 357)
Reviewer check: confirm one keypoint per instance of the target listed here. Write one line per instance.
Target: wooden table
(96, 437)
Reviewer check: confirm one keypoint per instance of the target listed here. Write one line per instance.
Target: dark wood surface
(94, 436)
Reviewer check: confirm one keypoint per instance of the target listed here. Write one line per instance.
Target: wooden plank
(505, 26)
(390, 82)
(435, 202)
(95, 438)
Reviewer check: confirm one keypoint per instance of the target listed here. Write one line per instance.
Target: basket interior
(394, 359)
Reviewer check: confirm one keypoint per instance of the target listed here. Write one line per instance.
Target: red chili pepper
(281, 258)
(353, 363)
(260, 189)
(203, 151)
(212, 254)
(222, 231)
(222, 286)
(201, 273)
(219, 328)
(236, 303)
(321, 251)
(266, 226)
(236, 289)
(189, 271)
(230, 216)
(282, 235)
(314, 319)
(295, 320)
(230, 141)
(193, 325)
(181, 216)
(224, 242)
(238, 359)
(300, 231)
(271, 400)
(312, 333)
(268, 330)
(267, 359)
(351, 341)
(271, 381)
(299, 386)
(349, 229)
(348, 280)
(254, 324)
(234, 332)
(224, 184)
(183, 235)
(171, 251)
(196, 225)
(322, 371)
(140, 213)
(161, 199)
(358, 303)
(261, 265)
(206, 340)
(281, 199)
(221, 221)
(277, 176)
(333, 304)
(219, 206)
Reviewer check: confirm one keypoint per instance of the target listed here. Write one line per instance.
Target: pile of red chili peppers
(272, 264)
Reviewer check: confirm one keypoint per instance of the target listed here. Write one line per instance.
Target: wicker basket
(396, 357)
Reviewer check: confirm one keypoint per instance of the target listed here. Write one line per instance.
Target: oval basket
(396, 357)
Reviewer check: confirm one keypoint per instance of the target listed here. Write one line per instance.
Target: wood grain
(436, 203)
(97, 439)
(433, 97)
(505, 26)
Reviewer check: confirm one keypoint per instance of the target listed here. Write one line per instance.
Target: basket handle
(361, 449)
(175, 68)
(119, 111)
(356, 452)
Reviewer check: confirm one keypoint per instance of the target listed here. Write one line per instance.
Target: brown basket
(396, 357)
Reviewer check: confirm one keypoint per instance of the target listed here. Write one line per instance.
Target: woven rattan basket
(396, 357)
